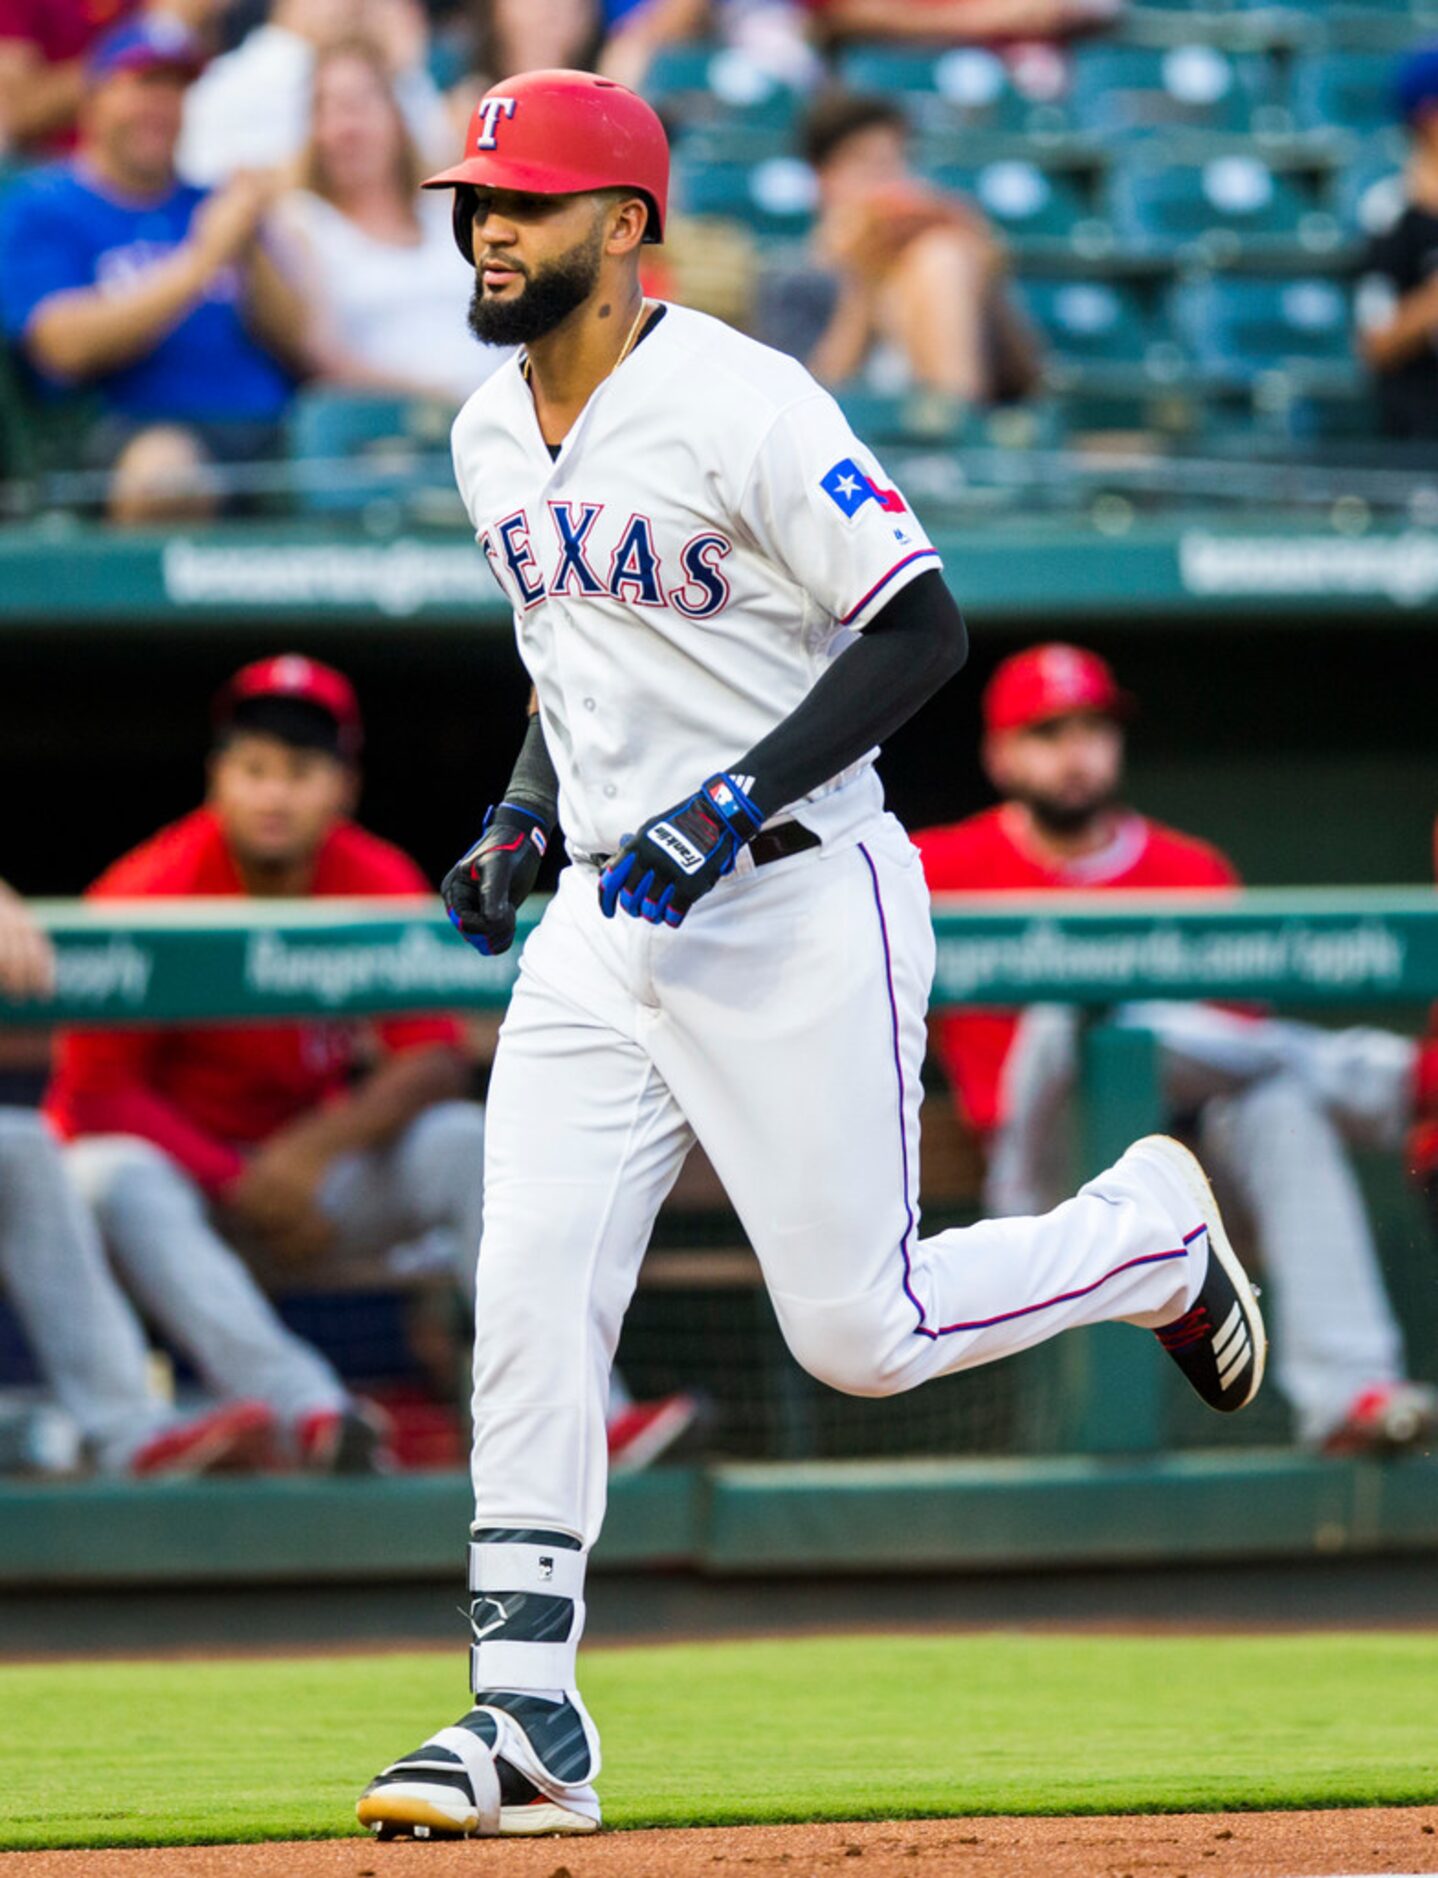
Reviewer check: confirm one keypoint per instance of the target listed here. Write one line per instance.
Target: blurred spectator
(84, 1336)
(118, 279)
(305, 1144)
(389, 293)
(43, 44)
(1397, 300)
(1275, 1103)
(511, 36)
(251, 109)
(906, 282)
(962, 22)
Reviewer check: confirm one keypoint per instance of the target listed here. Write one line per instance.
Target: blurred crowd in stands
(211, 207)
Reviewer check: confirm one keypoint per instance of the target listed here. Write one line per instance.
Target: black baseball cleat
(1219, 1343)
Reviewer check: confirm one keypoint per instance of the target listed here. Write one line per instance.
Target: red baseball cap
(1050, 681)
(296, 679)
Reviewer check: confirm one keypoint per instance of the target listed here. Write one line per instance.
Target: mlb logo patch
(848, 488)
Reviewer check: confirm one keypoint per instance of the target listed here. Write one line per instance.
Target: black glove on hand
(677, 857)
(483, 891)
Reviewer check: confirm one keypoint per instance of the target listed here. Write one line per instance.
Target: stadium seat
(1368, 195)
(1238, 326)
(1343, 91)
(1138, 90)
(352, 448)
(775, 197)
(1020, 198)
(698, 83)
(970, 87)
(1089, 321)
(1162, 208)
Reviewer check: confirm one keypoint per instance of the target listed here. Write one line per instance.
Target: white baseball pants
(783, 1027)
(1278, 1104)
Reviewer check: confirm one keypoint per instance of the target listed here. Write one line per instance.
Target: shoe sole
(409, 1815)
(399, 1815)
(542, 1817)
(241, 1447)
(1186, 1165)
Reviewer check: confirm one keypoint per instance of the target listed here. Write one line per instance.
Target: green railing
(164, 961)
(160, 962)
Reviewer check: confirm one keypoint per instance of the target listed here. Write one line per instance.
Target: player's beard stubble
(549, 296)
(1066, 815)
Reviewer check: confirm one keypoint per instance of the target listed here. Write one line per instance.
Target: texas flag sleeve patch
(848, 488)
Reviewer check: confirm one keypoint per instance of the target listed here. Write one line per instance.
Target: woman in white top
(389, 291)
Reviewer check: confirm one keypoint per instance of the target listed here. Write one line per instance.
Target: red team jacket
(983, 854)
(208, 1094)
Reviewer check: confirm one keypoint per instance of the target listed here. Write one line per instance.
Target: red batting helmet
(560, 133)
(1050, 681)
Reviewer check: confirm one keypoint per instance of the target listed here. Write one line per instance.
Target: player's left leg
(793, 1036)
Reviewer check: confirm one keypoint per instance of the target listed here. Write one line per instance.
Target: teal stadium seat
(966, 87)
(698, 83)
(1368, 195)
(1026, 202)
(1344, 91)
(1239, 326)
(1123, 91)
(349, 449)
(775, 197)
(1219, 206)
(1090, 322)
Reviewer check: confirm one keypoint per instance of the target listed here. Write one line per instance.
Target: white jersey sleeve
(818, 504)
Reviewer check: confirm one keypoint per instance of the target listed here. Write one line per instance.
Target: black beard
(546, 301)
(1066, 818)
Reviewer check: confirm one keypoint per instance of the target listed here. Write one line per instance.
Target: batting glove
(675, 859)
(483, 891)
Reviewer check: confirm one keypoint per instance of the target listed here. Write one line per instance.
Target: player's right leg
(583, 1141)
(794, 1041)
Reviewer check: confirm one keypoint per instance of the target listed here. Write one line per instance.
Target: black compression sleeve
(533, 784)
(910, 648)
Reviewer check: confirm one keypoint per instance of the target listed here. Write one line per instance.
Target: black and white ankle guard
(527, 1616)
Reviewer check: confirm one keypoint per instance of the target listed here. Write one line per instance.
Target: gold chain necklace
(624, 350)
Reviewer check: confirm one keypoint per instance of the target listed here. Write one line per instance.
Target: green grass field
(713, 1733)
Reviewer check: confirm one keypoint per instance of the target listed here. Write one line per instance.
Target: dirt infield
(1188, 1845)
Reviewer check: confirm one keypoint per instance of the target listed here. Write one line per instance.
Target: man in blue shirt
(161, 299)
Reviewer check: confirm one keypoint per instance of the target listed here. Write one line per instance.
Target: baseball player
(85, 1337)
(1275, 1103)
(724, 606)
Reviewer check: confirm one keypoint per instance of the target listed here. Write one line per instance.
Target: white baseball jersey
(709, 535)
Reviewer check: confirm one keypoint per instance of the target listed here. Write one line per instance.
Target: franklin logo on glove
(677, 857)
(665, 835)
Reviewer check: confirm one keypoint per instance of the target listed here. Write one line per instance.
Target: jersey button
(610, 789)
(589, 704)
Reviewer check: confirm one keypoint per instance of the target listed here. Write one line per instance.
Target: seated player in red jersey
(302, 1142)
(1276, 1103)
